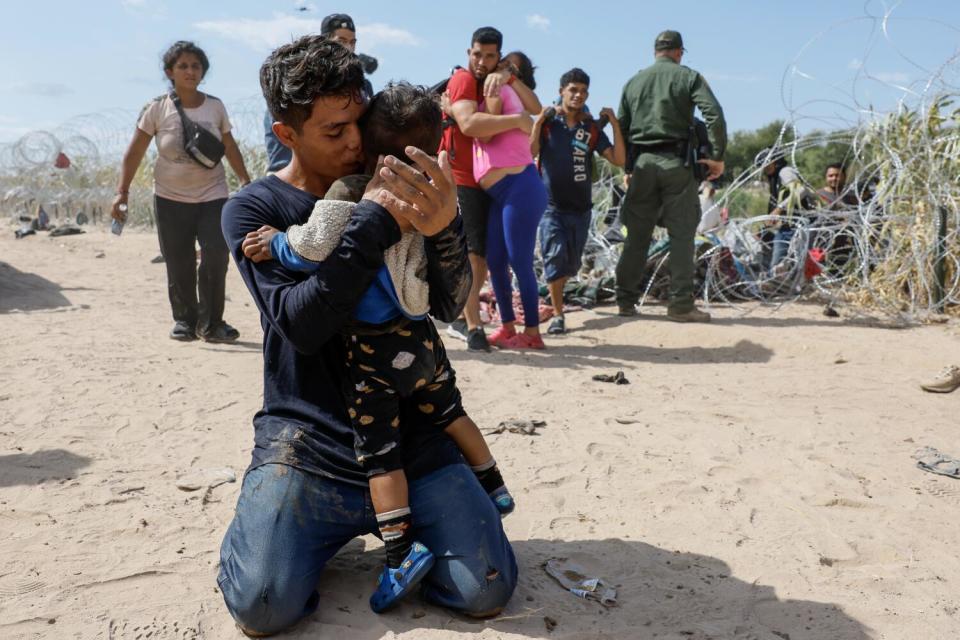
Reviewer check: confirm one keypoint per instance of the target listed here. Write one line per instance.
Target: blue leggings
(518, 203)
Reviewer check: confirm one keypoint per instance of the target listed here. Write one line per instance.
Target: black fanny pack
(201, 145)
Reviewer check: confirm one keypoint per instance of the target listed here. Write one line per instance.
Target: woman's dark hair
(400, 115)
(526, 68)
(487, 35)
(296, 74)
(577, 75)
(180, 47)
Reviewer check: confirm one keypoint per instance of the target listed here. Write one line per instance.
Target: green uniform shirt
(657, 106)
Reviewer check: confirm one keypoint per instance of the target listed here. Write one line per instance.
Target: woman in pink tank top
(504, 168)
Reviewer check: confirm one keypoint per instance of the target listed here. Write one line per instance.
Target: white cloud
(537, 21)
(855, 64)
(264, 35)
(133, 4)
(42, 89)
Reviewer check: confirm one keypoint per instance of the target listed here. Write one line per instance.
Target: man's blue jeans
(289, 523)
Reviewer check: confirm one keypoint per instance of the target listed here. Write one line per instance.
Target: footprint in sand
(12, 586)
(555, 475)
(940, 489)
(152, 630)
(603, 451)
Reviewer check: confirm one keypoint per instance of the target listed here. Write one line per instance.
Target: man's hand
(428, 205)
(256, 245)
(494, 82)
(525, 122)
(115, 212)
(715, 168)
(611, 116)
(445, 103)
(378, 191)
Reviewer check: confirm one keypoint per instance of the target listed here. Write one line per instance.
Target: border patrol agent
(656, 113)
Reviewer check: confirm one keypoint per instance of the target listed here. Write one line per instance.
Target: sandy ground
(754, 481)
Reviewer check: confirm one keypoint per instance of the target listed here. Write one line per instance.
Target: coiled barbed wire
(895, 248)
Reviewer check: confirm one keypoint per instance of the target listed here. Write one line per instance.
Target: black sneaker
(183, 331)
(220, 334)
(458, 329)
(557, 326)
(627, 310)
(477, 340)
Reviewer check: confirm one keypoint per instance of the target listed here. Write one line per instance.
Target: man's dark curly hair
(296, 74)
(402, 114)
(574, 75)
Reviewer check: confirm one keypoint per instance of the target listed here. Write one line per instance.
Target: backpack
(447, 120)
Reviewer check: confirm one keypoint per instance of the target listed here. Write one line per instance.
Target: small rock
(100, 254)
(840, 360)
(419, 613)
(549, 623)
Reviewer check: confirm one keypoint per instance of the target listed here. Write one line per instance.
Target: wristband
(123, 192)
(511, 80)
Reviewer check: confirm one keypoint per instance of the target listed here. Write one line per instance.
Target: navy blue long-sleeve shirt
(304, 422)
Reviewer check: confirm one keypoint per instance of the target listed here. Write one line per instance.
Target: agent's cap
(668, 40)
(336, 21)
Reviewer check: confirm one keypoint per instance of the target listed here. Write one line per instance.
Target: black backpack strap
(187, 123)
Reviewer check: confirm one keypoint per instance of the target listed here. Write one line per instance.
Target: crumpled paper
(574, 579)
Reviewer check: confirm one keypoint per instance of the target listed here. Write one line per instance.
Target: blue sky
(818, 60)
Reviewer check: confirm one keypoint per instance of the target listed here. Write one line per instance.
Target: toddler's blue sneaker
(503, 501)
(394, 584)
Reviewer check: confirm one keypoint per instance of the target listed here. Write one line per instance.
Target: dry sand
(754, 481)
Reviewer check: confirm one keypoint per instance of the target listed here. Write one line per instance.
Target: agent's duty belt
(673, 146)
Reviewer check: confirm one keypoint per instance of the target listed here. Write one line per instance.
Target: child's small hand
(256, 246)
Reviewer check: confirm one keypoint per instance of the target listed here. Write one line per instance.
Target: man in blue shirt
(566, 143)
(304, 495)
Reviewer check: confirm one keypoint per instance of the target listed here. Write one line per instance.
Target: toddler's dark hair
(399, 116)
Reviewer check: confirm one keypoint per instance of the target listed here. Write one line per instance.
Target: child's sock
(492, 482)
(396, 529)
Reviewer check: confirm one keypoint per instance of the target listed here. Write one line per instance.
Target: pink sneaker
(524, 341)
(499, 337)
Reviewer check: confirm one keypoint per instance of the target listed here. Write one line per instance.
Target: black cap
(668, 40)
(336, 21)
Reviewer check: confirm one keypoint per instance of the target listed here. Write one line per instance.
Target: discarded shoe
(617, 378)
(694, 315)
(946, 381)
(522, 427)
(394, 584)
(934, 461)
